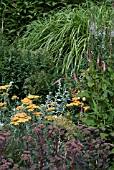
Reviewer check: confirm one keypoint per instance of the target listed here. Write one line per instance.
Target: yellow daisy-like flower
(86, 108)
(14, 97)
(32, 106)
(77, 103)
(32, 97)
(30, 110)
(21, 115)
(37, 113)
(19, 107)
(26, 101)
(70, 104)
(2, 104)
(50, 109)
(52, 103)
(75, 98)
(14, 123)
(14, 119)
(20, 118)
(4, 87)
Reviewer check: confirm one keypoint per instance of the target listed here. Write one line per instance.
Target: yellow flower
(26, 101)
(50, 118)
(30, 110)
(37, 113)
(14, 97)
(75, 98)
(32, 106)
(52, 103)
(21, 115)
(4, 87)
(2, 104)
(14, 123)
(32, 97)
(19, 107)
(14, 118)
(70, 104)
(75, 103)
(50, 109)
(20, 118)
(86, 108)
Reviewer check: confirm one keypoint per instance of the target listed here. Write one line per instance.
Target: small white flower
(83, 98)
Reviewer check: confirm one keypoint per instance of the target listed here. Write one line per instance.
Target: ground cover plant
(50, 135)
(55, 120)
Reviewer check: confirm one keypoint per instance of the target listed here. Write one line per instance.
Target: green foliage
(42, 74)
(31, 72)
(17, 14)
(15, 67)
(66, 34)
(63, 36)
(96, 84)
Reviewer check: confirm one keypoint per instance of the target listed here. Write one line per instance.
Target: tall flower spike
(56, 81)
(75, 78)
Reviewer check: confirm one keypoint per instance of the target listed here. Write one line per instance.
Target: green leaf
(103, 135)
(112, 151)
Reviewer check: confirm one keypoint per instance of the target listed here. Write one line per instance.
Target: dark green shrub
(15, 15)
(42, 74)
(31, 73)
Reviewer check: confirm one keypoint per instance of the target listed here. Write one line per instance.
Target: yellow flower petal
(19, 107)
(86, 108)
(50, 109)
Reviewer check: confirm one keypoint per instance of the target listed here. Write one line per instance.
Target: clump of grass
(66, 34)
